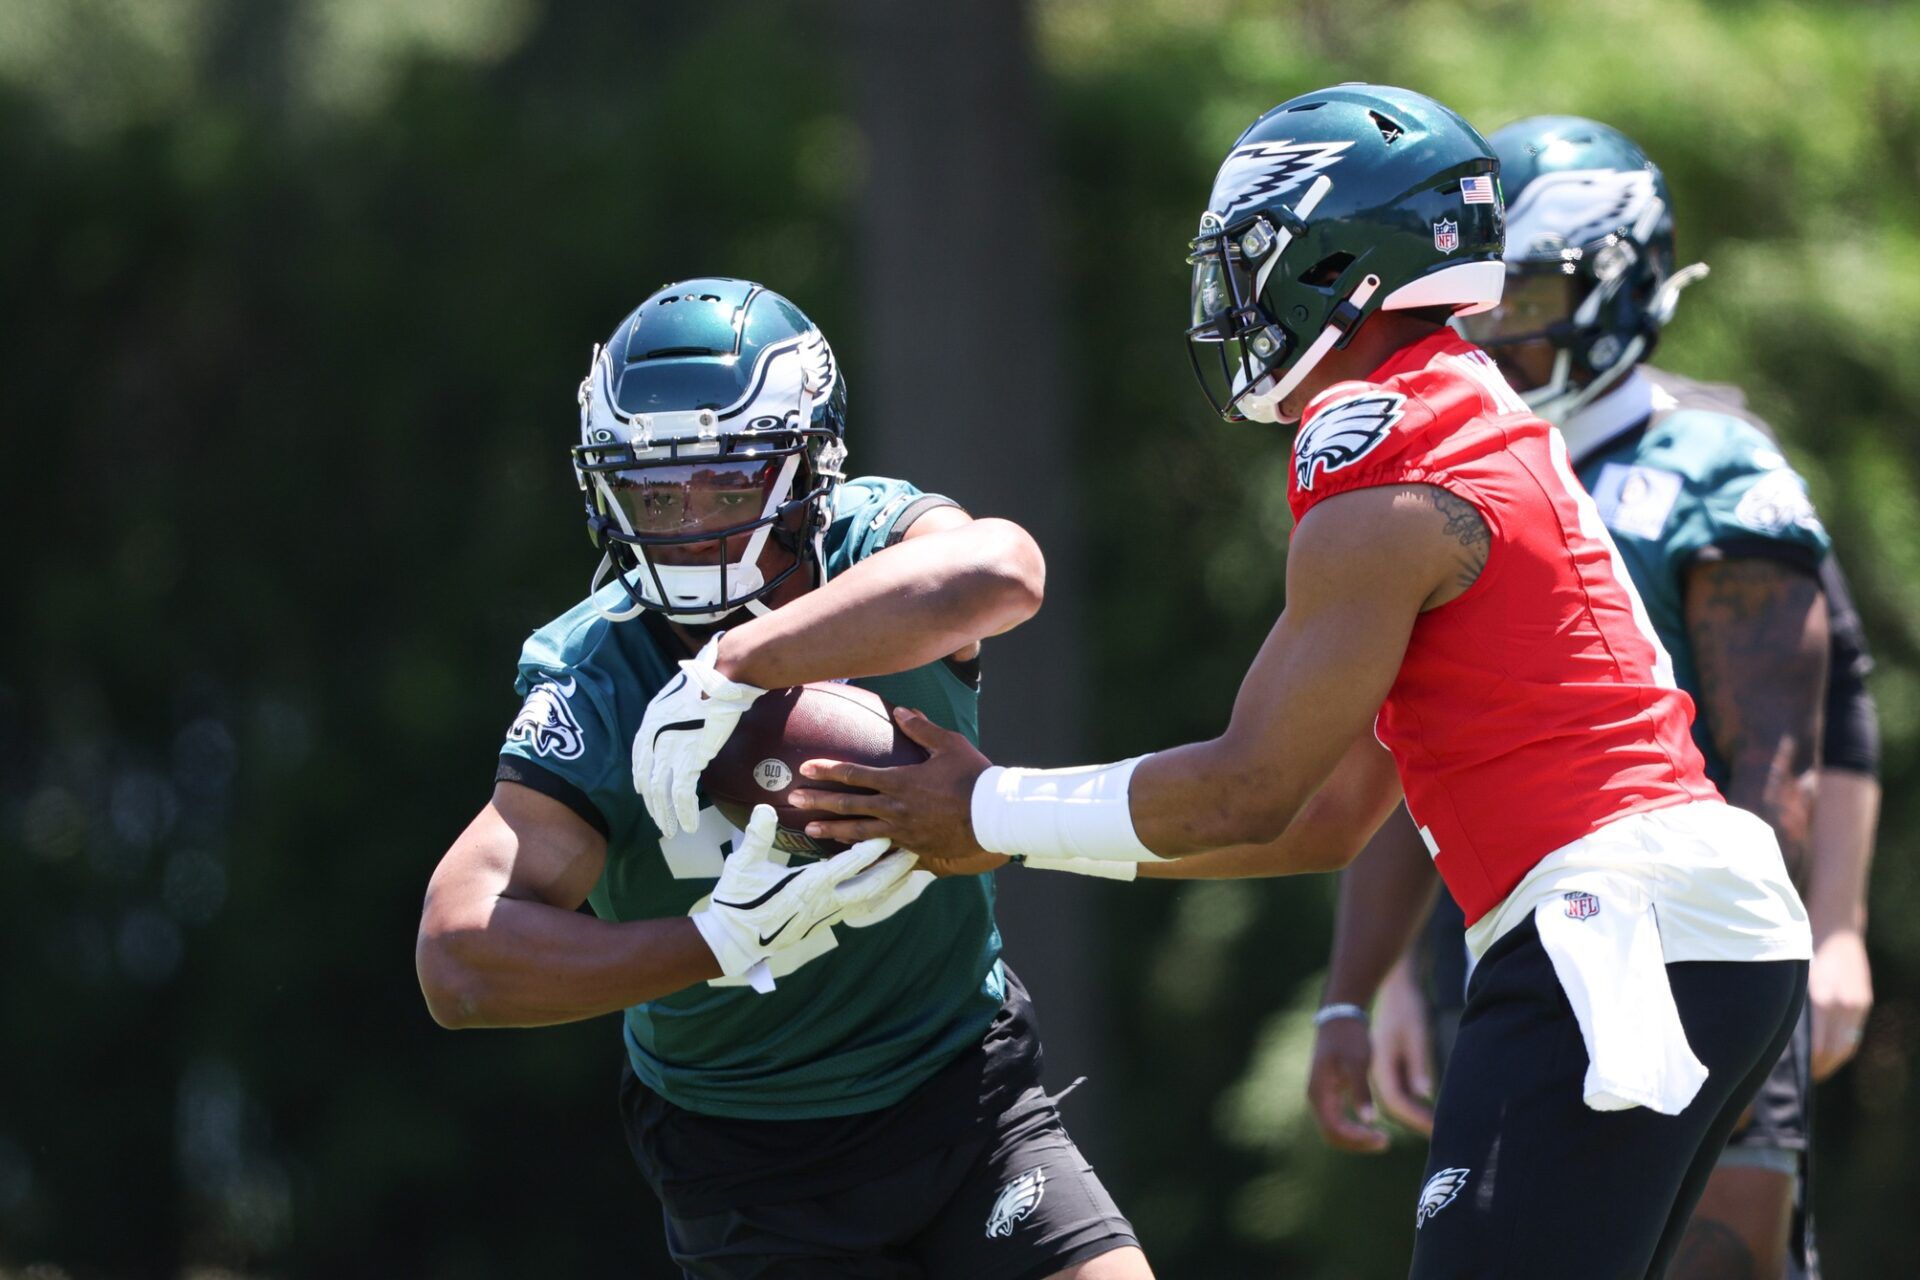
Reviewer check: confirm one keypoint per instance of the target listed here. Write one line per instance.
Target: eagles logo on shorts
(1020, 1197)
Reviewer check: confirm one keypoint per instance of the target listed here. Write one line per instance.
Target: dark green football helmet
(1330, 207)
(1589, 257)
(713, 420)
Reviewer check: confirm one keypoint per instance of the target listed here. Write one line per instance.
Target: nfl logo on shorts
(1446, 235)
(1582, 906)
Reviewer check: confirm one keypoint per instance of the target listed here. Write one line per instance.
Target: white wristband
(1059, 813)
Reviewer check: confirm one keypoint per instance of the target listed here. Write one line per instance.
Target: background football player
(1452, 598)
(829, 1071)
(1727, 553)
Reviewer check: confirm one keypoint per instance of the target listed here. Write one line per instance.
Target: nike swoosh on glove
(760, 907)
(685, 726)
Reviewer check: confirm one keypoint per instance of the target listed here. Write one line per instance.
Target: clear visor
(1533, 305)
(1223, 282)
(687, 500)
(1211, 298)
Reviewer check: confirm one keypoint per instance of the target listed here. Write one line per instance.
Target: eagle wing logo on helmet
(1261, 170)
(546, 722)
(817, 356)
(1577, 206)
(1018, 1198)
(1343, 433)
(1439, 1192)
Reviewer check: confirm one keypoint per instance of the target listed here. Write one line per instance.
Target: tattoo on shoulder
(1468, 527)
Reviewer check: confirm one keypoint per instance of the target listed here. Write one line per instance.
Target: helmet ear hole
(1390, 130)
(1329, 269)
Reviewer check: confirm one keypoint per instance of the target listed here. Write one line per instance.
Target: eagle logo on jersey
(1776, 503)
(1343, 433)
(1020, 1197)
(1439, 1192)
(546, 722)
(1261, 170)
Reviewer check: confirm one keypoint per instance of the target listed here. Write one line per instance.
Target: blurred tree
(963, 393)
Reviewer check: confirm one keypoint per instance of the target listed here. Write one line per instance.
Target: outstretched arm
(1326, 835)
(949, 583)
(1362, 567)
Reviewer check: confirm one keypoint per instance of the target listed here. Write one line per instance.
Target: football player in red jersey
(1732, 562)
(1458, 628)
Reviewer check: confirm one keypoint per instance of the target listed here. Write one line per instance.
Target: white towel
(1604, 940)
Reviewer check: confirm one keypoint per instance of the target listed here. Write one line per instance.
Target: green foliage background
(293, 296)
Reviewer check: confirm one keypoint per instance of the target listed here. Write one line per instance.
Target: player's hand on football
(759, 907)
(684, 727)
(926, 807)
(1337, 1087)
(1403, 1051)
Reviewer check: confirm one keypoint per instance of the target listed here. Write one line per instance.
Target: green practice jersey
(847, 1032)
(1700, 480)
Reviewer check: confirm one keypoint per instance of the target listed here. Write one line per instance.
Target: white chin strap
(1263, 403)
(693, 592)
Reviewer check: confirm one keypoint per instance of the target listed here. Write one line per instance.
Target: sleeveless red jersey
(1539, 705)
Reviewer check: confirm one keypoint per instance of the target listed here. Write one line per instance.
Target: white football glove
(685, 726)
(760, 907)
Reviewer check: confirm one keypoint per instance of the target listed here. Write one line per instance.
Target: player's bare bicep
(521, 845)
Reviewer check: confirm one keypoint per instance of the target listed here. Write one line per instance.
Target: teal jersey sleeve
(871, 513)
(1699, 485)
(1740, 496)
(567, 725)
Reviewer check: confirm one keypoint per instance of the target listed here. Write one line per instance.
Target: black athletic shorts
(1524, 1180)
(970, 1177)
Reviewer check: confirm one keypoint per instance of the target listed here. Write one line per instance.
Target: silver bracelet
(1334, 1012)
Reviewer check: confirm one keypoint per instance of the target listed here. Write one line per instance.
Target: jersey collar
(1418, 355)
(1626, 406)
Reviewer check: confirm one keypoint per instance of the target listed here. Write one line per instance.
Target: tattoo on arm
(1759, 635)
(1714, 1251)
(1468, 527)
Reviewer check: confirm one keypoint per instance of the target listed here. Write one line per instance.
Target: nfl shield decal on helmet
(1017, 1199)
(1343, 433)
(1439, 1192)
(1446, 235)
(546, 722)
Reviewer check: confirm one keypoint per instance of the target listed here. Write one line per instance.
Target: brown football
(761, 762)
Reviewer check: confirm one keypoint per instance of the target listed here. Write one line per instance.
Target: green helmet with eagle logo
(1330, 207)
(1590, 257)
(712, 423)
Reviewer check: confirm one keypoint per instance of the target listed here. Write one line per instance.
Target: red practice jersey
(1539, 705)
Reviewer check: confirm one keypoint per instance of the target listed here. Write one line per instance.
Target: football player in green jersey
(1733, 565)
(829, 1070)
